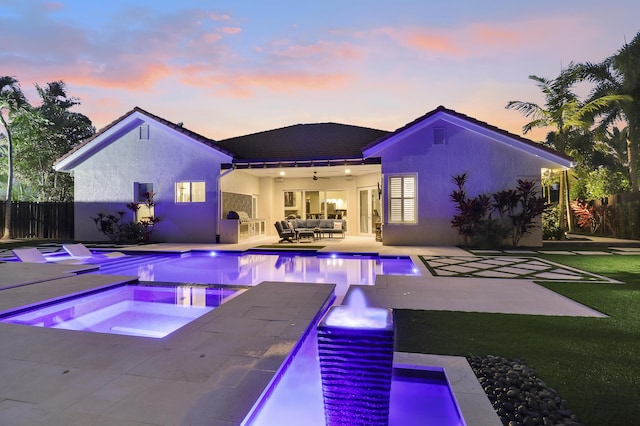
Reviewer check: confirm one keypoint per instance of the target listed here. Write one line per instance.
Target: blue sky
(228, 68)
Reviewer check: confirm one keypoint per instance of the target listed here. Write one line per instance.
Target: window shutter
(395, 198)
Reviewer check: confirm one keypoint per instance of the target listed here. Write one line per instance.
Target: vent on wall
(439, 135)
(144, 132)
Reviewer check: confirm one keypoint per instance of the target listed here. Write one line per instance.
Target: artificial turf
(593, 362)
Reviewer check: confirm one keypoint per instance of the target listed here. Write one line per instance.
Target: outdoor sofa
(321, 227)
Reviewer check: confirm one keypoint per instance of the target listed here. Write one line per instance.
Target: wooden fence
(39, 220)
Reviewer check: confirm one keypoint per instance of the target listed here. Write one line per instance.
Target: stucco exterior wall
(490, 166)
(104, 182)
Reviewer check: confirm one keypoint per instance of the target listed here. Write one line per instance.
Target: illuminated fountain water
(343, 373)
(355, 345)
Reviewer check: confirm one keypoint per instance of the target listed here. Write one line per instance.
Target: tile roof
(178, 127)
(470, 120)
(303, 142)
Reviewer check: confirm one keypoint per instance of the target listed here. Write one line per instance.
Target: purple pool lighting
(137, 310)
(342, 373)
(252, 268)
(356, 361)
(420, 395)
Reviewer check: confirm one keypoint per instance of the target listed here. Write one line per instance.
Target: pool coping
(474, 405)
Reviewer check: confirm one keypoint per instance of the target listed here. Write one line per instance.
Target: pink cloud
(483, 38)
(231, 30)
(426, 40)
(322, 50)
(243, 84)
(211, 38)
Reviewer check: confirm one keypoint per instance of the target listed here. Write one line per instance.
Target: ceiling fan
(316, 177)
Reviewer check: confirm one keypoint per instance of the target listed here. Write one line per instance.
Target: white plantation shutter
(402, 199)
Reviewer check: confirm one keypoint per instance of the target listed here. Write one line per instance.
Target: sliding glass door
(369, 210)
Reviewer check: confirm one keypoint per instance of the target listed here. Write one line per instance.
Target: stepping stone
(534, 266)
(486, 251)
(555, 252)
(480, 265)
(557, 276)
(452, 261)
(460, 269)
(587, 253)
(493, 274)
(445, 273)
(514, 271)
(499, 261)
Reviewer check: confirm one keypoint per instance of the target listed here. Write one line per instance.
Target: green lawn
(593, 362)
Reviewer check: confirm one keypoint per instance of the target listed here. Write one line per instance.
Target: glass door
(369, 207)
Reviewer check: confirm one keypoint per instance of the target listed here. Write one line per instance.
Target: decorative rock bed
(518, 396)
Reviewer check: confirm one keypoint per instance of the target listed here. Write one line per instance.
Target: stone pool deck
(209, 372)
(213, 370)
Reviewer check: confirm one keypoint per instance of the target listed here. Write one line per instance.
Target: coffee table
(306, 233)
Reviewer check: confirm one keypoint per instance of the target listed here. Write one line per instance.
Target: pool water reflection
(253, 268)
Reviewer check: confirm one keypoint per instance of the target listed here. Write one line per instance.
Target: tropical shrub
(551, 229)
(116, 230)
(516, 211)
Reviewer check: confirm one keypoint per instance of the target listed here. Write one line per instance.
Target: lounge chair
(285, 234)
(80, 251)
(33, 255)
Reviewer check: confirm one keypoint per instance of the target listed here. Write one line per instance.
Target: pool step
(116, 266)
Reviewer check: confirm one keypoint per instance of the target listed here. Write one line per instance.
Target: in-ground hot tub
(130, 309)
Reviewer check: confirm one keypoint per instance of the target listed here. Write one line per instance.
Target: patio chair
(33, 255)
(80, 251)
(285, 234)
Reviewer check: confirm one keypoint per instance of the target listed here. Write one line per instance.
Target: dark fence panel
(39, 220)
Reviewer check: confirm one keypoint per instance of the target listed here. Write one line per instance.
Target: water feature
(419, 394)
(355, 347)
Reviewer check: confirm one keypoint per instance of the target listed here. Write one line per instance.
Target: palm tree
(620, 75)
(12, 101)
(564, 112)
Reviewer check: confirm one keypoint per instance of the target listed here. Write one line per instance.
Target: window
(439, 135)
(144, 132)
(143, 196)
(142, 191)
(402, 199)
(190, 192)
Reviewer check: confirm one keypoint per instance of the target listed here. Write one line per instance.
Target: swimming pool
(252, 268)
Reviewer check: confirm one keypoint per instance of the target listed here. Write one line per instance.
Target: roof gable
(303, 142)
(471, 124)
(121, 126)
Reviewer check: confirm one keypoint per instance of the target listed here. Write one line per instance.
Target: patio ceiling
(307, 171)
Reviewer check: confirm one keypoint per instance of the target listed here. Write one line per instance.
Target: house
(398, 181)
(140, 152)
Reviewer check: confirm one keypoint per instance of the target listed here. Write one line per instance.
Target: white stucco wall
(490, 166)
(104, 182)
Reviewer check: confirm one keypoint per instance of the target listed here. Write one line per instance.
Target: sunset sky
(229, 68)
